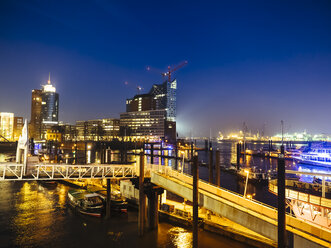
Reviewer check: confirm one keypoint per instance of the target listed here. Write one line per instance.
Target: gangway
(249, 213)
(15, 172)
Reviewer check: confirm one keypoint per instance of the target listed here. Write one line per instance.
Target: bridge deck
(15, 172)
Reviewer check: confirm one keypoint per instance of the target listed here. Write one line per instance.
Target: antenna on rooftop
(49, 78)
(282, 124)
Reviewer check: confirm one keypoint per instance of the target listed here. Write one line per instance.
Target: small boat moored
(85, 202)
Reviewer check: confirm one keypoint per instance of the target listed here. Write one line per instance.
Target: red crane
(171, 70)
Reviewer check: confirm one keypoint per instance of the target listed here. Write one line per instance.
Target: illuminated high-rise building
(160, 97)
(152, 115)
(6, 126)
(18, 126)
(44, 110)
(35, 121)
(165, 98)
(49, 104)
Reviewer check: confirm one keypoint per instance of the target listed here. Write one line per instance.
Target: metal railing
(304, 197)
(250, 206)
(12, 171)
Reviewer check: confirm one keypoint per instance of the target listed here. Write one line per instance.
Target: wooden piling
(152, 153)
(218, 169)
(108, 199)
(281, 200)
(210, 165)
(153, 210)
(195, 169)
(142, 197)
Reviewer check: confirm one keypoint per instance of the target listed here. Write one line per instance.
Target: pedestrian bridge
(251, 214)
(18, 172)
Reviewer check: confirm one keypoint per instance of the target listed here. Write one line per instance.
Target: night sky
(252, 61)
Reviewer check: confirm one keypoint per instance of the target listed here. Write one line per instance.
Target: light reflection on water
(35, 214)
(180, 237)
(32, 215)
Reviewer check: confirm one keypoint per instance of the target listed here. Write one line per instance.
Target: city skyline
(240, 68)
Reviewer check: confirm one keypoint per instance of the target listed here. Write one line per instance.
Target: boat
(88, 203)
(254, 175)
(117, 202)
(50, 184)
(319, 155)
(306, 203)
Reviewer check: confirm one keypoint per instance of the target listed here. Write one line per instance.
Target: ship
(306, 202)
(318, 155)
(88, 203)
(93, 202)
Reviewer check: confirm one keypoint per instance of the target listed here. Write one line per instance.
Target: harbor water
(32, 215)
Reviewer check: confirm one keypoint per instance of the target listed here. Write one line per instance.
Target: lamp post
(247, 172)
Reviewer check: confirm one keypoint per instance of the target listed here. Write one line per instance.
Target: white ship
(319, 155)
(307, 206)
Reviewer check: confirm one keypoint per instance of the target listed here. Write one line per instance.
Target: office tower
(49, 104)
(18, 126)
(6, 126)
(35, 121)
(100, 129)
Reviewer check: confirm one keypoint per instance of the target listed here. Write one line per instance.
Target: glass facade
(50, 108)
(100, 129)
(144, 123)
(165, 97)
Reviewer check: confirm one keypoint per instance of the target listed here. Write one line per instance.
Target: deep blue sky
(252, 61)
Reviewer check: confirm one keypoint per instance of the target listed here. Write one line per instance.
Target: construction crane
(137, 87)
(171, 70)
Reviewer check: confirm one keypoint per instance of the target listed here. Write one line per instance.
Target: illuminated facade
(100, 129)
(165, 98)
(44, 110)
(144, 124)
(35, 121)
(49, 104)
(18, 126)
(53, 135)
(6, 126)
(160, 97)
(153, 115)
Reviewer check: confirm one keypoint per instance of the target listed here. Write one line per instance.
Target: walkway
(15, 172)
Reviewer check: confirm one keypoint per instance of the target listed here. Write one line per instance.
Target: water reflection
(32, 227)
(180, 237)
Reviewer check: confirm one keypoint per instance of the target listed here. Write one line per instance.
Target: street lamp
(247, 172)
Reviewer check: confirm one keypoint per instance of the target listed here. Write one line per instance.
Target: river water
(32, 215)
